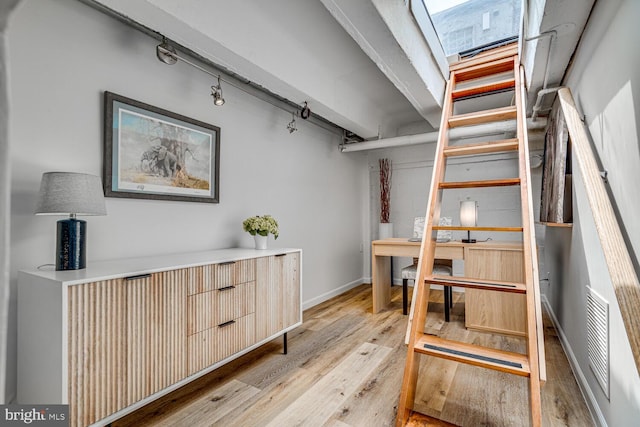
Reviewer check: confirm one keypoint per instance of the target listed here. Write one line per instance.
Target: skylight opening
(467, 25)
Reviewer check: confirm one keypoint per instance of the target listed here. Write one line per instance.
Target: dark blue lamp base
(70, 245)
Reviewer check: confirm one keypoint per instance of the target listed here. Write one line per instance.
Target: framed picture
(151, 153)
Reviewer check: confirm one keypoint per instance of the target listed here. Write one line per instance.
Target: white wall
(606, 85)
(6, 9)
(63, 55)
(576, 260)
(605, 82)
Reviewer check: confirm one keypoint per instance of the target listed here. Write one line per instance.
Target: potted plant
(260, 227)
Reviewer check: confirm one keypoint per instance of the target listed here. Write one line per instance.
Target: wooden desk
(381, 250)
(484, 310)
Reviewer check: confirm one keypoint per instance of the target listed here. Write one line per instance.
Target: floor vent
(598, 337)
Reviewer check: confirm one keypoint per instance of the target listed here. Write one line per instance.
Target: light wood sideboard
(113, 337)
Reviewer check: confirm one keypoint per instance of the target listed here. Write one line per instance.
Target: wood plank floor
(344, 368)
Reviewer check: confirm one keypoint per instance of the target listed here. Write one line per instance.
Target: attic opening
(468, 27)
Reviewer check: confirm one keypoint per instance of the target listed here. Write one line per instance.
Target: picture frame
(152, 153)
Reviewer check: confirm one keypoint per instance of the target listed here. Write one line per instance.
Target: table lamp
(68, 193)
(468, 217)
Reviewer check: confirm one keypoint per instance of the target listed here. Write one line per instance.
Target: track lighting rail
(168, 55)
(231, 78)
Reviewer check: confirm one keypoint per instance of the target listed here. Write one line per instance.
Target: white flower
(262, 225)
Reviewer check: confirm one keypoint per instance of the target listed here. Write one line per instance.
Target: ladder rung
(499, 360)
(466, 282)
(485, 116)
(484, 88)
(460, 228)
(483, 70)
(480, 184)
(482, 148)
(418, 419)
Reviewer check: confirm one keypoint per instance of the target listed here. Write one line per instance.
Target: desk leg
(381, 284)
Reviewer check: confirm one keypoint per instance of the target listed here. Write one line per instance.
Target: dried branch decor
(385, 189)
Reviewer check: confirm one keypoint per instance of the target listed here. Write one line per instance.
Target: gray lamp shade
(64, 193)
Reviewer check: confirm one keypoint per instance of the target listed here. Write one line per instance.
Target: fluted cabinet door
(156, 332)
(268, 298)
(97, 369)
(290, 273)
(277, 293)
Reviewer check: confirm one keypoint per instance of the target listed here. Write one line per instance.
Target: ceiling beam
(387, 32)
(553, 29)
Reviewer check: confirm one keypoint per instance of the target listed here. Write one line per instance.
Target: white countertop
(106, 270)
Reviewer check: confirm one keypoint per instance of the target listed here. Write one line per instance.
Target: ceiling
(361, 64)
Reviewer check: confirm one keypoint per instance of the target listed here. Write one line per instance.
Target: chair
(441, 267)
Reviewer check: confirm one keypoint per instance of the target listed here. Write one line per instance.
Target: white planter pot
(261, 241)
(385, 230)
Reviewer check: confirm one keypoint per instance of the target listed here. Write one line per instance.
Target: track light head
(217, 96)
(216, 92)
(291, 127)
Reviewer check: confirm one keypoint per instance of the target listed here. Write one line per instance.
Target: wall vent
(598, 337)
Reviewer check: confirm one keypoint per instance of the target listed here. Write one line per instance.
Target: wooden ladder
(485, 74)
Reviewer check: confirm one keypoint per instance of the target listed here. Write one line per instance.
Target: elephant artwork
(166, 161)
(156, 154)
(148, 162)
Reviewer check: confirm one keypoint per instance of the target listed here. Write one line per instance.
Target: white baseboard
(592, 403)
(333, 293)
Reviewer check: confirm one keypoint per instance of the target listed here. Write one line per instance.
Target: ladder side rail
(421, 291)
(533, 245)
(529, 255)
(436, 176)
(412, 364)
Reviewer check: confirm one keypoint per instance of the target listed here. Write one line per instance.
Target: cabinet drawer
(449, 252)
(234, 336)
(235, 272)
(235, 301)
(209, 277)
(202, 350)
(214, 344)
(209, 309)
(201, 279)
